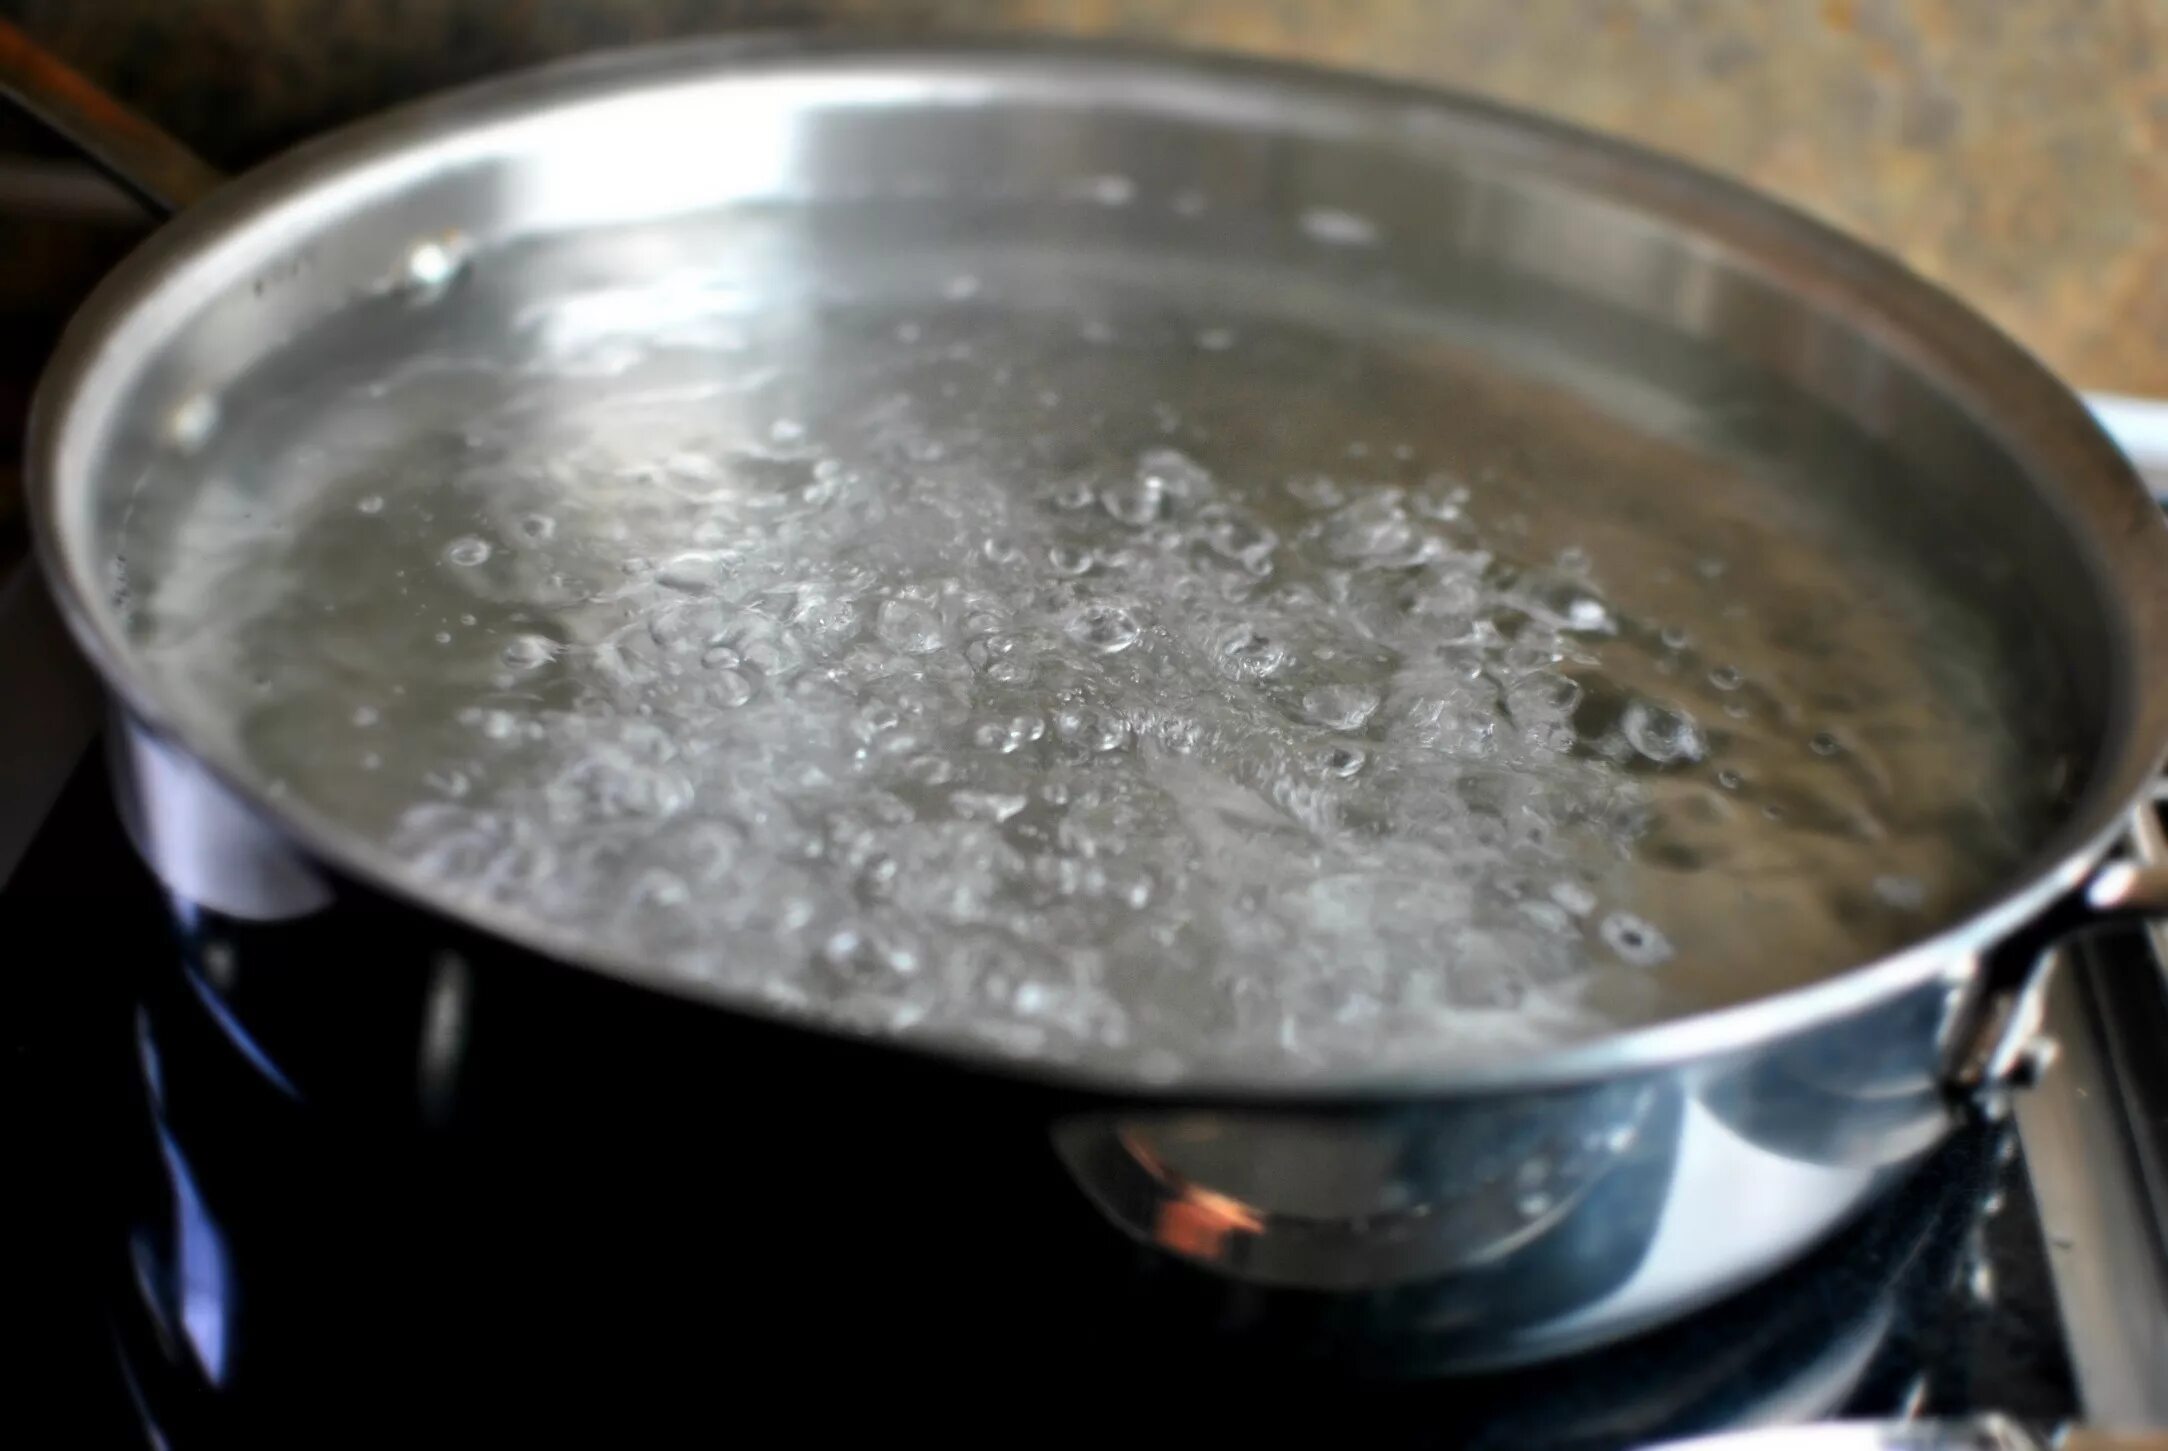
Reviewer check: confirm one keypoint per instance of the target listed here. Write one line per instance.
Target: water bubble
(994, 806)
(1175, 475)
(1374, 530)
(1575, 898)
(1344, 761)
(1091, 730)
(371, 504)
(691, 573)
(1243, 540)
(1441, 497)
(536, 528)
(1822, 743)
(1726, 677)
(1136, 500)
(1244, 653)
(1542, 706)
(1662, 733)
(1340, 707)
(908, 626)
(366, 715)
(1634, 939)
(1461, 724)
(1216, 339)
(874, 718)
(1104, 627)
(1008, 736)
(1317, 491)
(734, 687)
(525, 652)
(467, 551)
(864, 958)
(1069, 560)
(1565, 602)
(493, 723)
(1588, 614)
(448, 782)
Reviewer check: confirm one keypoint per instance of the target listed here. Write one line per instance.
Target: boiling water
(1150, 670)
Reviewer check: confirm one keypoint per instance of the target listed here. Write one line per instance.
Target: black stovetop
(1939, 1302)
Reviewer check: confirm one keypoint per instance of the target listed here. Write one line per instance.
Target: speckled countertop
(2013, 151)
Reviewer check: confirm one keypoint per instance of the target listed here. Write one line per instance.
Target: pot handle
(158, 170)
(2001, 1043)
(2136, 885)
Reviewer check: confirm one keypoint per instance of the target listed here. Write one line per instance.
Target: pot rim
(2029, 411)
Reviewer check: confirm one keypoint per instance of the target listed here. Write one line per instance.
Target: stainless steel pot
(1510, 1211)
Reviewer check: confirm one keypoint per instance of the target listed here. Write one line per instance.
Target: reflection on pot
(1398, 1241)
(1856, 1093)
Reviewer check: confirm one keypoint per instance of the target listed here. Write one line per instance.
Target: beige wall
(2015, 150)
(2012, 149)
